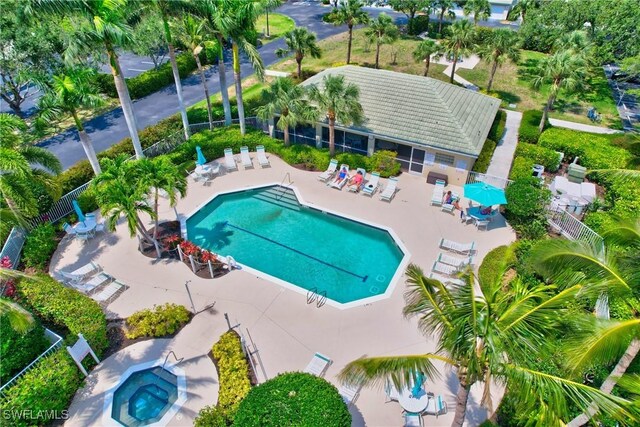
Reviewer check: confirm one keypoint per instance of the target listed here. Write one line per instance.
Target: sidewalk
(503, 155)
(581, 127)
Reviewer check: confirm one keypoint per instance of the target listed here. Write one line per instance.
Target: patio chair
(330, 172)
(412, 420)
(94, 282)
(229, 161)
(390, 392)
(80, 274)
(356, 188)
(349, 394)
(372, 185)
(461, 248)
(446, 280)
(246, 159)
(68, 229)
(110, 292)
(262, 156)
(390, 190)
(484, 223)
(447, 207)
(339, 184)
(459, 263)
(318, 365)
(436, 406)
(447, 269)
(438, 193)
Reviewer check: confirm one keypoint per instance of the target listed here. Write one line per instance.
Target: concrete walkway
(468, 63)
(503, 156)
(582, 127)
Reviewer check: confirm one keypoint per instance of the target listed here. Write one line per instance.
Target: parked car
(625, 77)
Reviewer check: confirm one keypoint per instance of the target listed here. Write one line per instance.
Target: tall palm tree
(340, 101)
(459, 43)
(446, 7)
(563, 70)
(480, 9)
(485, 333)
(381, 31)
(160, 174)
(193, 37)
(66, 93)
(351, 13)
(287, 100)
(424, 51)
(501, 45)
(104, 23)
(266, 7)
(522, 7)
(301, 42)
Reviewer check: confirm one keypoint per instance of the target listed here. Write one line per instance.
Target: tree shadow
(527, 70)
(508, 97)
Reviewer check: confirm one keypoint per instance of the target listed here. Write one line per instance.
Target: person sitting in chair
(486, 211)
(342, 175)
(356, 180)
(448, 198)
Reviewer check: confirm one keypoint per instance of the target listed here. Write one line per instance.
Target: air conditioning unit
(538, 171)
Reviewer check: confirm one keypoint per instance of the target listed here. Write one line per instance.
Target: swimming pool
(269, 230)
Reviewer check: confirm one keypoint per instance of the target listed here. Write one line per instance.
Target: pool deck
(286, 331)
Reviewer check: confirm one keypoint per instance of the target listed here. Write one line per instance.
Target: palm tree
(381, 31)
(459, 43)
(446, 7)
(66, 93)
(522, 7)
(423, 52)
(104, 24)
(194, 38)
(480, 9)
(341, 101)
(350, 13)
(301, 42)
(563, 70)
(160, 174)
(501, 45)
(486, 332)
(266, 6)
(287, 100)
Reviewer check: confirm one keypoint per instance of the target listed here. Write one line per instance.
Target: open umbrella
(76, 207)
(485, 194)
(201, 159)
(418, 380)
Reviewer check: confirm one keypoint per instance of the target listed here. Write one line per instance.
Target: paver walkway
(468, 63)
(503, 156)
(582, 127)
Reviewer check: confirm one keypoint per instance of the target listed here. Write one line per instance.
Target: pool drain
(374, 290)
(380, 278)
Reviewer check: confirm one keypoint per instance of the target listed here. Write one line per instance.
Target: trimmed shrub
(17, 350)
(294, 398)
(66, 308)
(481, 35)
(211, 416)
(484, 159)
(529, 131)
(525, 210)
(522, 168)
(384, 161)
(498, 125)
(41, 243)
(494, 261)
(540, 155)
(233, 372)
(162, 321)
(48, 387)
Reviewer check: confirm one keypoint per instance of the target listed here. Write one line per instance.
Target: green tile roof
(419, 110)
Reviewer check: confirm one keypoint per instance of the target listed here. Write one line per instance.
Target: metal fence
(13, 246)
(571, 228)
(496, 181)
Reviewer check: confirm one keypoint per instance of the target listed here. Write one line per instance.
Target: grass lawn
(278, 25)
(251, 88)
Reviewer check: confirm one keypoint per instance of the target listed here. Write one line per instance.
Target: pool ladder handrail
(174, 356)
(320, 298)
(287, 177)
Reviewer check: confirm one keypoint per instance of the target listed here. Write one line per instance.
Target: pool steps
(280, 196)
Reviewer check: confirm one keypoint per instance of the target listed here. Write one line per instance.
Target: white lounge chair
(229, 161)
(482, 224)
(372, 185)
(330, 172)
(446, 280)
(412, 420)
(262, 156)
(447, 269)
(355, 188)
(390, 190)
(340, 183)
(438, 193)
(349, 394)
(391, 392)
(436, 406)
(82, 273)
(110, 292)
(95, 281)
(459, 263)
(318, 365)
(461, 248)
(246, 159)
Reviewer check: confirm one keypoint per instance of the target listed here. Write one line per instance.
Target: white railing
(571, 228)
(61, 208)
(13, 246)
(496, 181)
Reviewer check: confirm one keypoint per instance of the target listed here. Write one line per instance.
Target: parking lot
(627, 104)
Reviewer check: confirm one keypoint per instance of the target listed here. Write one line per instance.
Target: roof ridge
(448, 108)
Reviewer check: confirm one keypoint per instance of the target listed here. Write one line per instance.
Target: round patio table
(413, 404)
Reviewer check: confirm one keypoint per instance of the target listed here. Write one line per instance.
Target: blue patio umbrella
(418, 380)
(201, 159)
(76, 207)
(485, 194)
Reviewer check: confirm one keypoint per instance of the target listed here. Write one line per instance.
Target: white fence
(496, 181)
(571, 228)
(13, 246)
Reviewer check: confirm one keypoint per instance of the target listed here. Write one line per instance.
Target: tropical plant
(301, 42)
(501, 45)
(66, 93)
(423, 53)
(341, 101)
(446, 7)
(411, 8)
(459, 43)
(487, 332)
(103, 22)
(350, 13)
(286, 100)
(522, 7)
(480, 9)
(267, 5)
(381, 31)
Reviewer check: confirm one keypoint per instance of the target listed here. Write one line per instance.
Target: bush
(162, 321)
(525, 210)
(44, 199)
(66, 308)
(529, 131)
(233, 373)
(294, 398)
(384, 161)
(494, 261)
(498, 125)
(481, 35)
(17, 350)
(522, 168)
(87, 201)
(211, 416)
(41, 243)
(46, 388)
(484, 159)
(539, 155)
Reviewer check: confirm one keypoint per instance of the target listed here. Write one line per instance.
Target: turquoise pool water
(268, 230)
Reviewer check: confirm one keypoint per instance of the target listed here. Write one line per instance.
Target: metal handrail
(174, 356)
(287, 177)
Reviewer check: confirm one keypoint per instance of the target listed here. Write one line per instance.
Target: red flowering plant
(189, 248)
(208, 256)
(172, 242)
(7, 287)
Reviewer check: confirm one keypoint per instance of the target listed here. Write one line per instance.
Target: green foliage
(48, 387)
(539, 155)
(233, 372)
(384, 161)
(66, 308)
(498, 125)
(44, 199)
(87, 201)
(529, 131)
(484, 159)
(294, 398)
(492, 262)
(526, 208)
(41, 243)
(17, 350)
(522, 168)
(162, 321)
(211, 416)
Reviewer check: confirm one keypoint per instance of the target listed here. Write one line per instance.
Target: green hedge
(525, 209)
(17, 349)
(484, 159)
(595, 151)
(493, 263)
(66, 308)
(49, 386)
(498, 125)
(540, 155)
(528, 131)
(293, 399)
(522, 168)
(41, 243)
(162, 321)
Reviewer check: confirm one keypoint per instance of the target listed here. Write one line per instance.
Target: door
(417, 161)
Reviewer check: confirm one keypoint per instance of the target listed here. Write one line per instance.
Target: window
(444, 159)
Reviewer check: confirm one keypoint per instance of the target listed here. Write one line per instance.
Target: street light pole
(186, 285)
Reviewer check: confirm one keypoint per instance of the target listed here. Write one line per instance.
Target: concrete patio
(284, 328)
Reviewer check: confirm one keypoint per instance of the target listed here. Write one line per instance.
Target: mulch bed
(305, 166)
